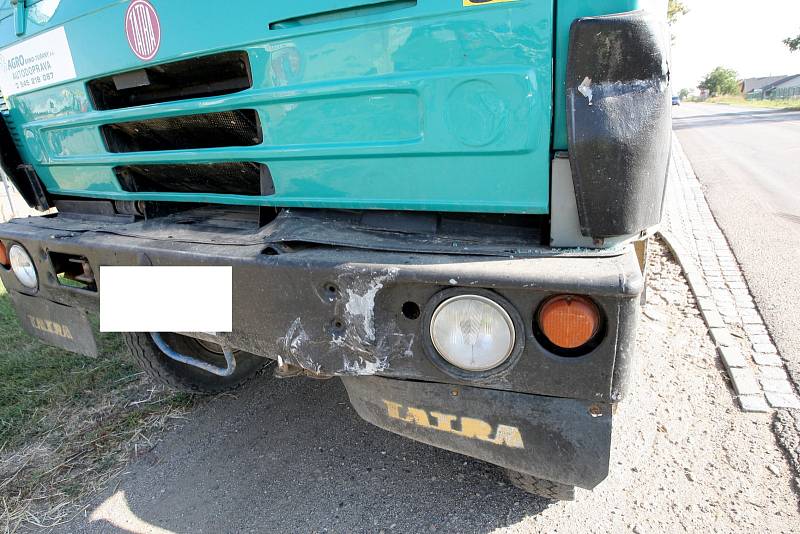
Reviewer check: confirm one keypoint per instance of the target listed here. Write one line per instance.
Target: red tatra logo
(143, 29)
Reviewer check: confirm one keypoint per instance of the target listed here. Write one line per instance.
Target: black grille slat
(208, 130)
(207, 76)
(238, 178)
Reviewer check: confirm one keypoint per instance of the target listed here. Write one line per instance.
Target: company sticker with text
(36, 62)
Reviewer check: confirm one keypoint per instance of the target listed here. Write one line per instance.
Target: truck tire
(187, 378)
(543, 488)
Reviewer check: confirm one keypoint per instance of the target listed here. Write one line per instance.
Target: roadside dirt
(687, 458)
(293, 456)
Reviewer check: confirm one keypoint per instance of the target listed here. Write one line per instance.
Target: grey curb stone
(781, 400)
(721, 336)
(754, 403)
(733, 321)
(760, 339)
(722, 294)
(699, 287)
(774, 385)
(752, 318)
(755, 329)
(767, 359)
(732, 357)
(765, 348)
(776, 373)
(744, 382)
(705, 303)
(713, 318)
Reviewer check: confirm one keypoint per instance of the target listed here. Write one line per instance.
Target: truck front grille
(208, 130)
(230, 178)
(201, 77)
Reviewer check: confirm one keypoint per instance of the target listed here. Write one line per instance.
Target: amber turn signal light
(4, 256)
(569, 321)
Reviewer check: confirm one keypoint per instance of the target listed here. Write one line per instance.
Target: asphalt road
(748, 160)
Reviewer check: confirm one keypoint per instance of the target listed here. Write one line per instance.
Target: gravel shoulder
(292, 455)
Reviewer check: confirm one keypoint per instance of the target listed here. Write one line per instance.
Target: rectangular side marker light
(166, 299)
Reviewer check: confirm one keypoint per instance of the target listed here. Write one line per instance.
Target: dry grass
(69, 425)
(787, 104)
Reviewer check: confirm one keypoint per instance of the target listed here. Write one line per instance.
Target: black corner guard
(619, 121)
(558, 439)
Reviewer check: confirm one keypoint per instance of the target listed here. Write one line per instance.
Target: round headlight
(22, 265)
(472, 332)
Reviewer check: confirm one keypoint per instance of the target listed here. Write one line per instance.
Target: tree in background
(683, 94)
(720, 81)
(793, 43)
(675, 11)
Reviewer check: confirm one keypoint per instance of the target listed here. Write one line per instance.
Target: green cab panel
(445, 105)
(439, 105)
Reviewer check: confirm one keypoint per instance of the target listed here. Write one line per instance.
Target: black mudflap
(562, 440)
(56, 324)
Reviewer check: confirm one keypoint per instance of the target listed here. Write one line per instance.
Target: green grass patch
(68, 423)
(787, 104)
(35, 378)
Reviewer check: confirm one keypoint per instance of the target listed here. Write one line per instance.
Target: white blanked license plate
(166, 299)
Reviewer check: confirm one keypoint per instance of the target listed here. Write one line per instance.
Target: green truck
(445, 203)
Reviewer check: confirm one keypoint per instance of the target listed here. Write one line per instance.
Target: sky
(744, 35)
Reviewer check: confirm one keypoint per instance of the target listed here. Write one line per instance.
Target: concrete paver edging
(755, 368)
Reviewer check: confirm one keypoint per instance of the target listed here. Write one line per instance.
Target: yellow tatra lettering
(393, 408)
(509, 436)
(475, 428)
(418, 417)
(66, 332)
(444, 421)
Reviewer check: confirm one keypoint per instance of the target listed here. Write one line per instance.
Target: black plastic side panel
(619, 121)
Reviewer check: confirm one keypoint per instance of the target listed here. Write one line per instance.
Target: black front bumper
(339, 311)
